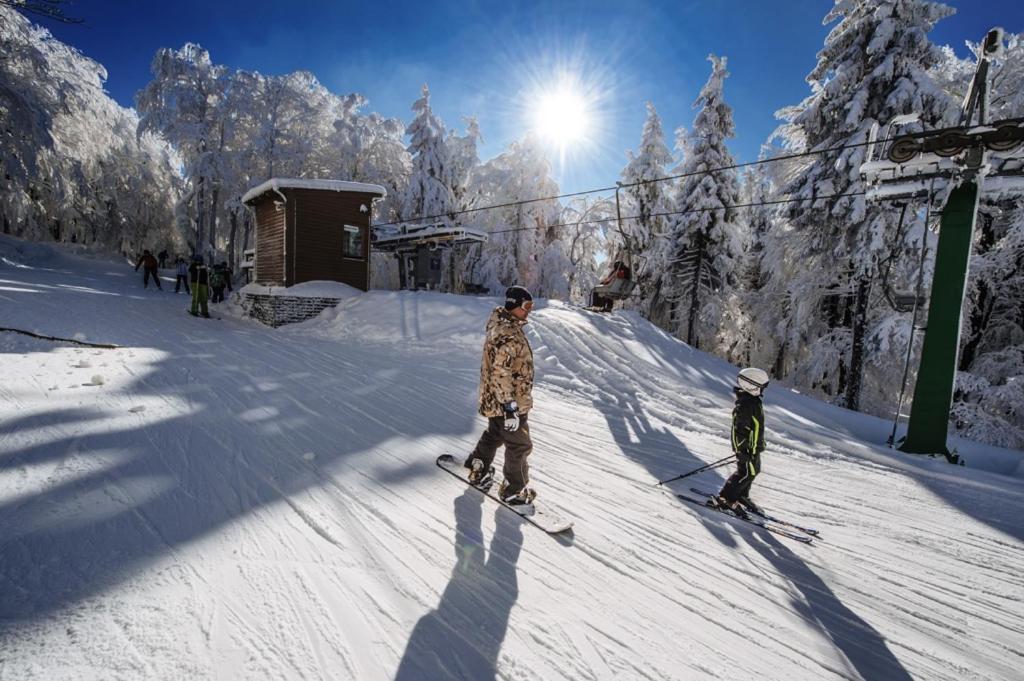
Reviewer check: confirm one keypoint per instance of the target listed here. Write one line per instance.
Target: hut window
(352, 242)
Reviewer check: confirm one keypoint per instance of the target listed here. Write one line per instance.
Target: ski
(778, 521)
(546, 520)
(781, 531)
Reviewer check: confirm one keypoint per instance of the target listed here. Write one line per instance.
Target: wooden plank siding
(315, 247)
(270, 230)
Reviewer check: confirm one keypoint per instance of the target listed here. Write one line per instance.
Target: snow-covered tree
(705, 237)
(71, 166)
(520, 234)
(873, 67)
(646, 202)
(427, 193)
(585, 221)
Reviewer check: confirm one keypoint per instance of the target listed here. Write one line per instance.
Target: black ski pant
(150, 272)
(517, 448)
(181, 279)
(218, 294)
(738, 484)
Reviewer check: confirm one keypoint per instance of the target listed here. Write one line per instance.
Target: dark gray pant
(738, 484)
(517, 448)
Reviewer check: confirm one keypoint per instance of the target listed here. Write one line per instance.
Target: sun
(561, 116)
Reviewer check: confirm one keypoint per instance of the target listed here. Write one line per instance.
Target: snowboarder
(506, 384)
(747, 442)
(149, 269)
(181, 275)
(199, 277)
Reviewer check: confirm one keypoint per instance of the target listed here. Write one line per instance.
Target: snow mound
(307, 289)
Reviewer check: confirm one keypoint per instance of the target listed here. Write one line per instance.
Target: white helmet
(752, 380)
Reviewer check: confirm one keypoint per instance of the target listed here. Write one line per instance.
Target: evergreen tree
(643, 236)
(704, 239)
(873, 67)
(427, 192)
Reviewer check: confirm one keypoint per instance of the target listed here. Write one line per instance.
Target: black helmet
(516, 296)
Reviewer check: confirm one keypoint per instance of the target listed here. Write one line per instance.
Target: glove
(512, 416)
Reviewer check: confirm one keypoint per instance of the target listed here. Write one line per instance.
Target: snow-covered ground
(219, 500)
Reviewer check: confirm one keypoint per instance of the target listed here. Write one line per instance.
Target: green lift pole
(933, 393)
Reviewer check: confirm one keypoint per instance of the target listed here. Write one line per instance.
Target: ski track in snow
(236, 502)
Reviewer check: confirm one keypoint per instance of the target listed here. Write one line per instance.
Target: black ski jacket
(198, 274)
(747, 424)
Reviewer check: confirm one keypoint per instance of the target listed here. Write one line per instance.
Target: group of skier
(505, 399)
(196, 277)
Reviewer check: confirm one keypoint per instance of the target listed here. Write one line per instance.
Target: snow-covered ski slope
(219, 500)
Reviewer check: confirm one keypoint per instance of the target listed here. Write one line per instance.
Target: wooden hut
(312, 230)
(307, 230)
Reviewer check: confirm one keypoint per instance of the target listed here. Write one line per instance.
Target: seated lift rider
(616, 286)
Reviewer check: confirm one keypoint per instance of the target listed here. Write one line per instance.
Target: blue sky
(488, 58)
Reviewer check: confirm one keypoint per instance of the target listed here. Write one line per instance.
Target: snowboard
(549, 521)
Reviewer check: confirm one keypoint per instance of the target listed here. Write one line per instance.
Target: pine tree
(427, 193)
(874, 66)
(704, 238)
(645, 202)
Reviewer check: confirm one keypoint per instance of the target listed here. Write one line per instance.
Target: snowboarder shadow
(462, 637)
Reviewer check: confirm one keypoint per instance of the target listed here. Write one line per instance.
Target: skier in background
(199, 277)
(506, 386)
(218, 280)
(181, 274)
(149, 269)
(747, 442)
(162, 257)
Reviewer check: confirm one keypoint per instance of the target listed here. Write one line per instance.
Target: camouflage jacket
(506, 372)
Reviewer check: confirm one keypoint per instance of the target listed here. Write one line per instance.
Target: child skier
(747, 442)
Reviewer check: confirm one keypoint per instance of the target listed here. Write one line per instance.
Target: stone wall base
(278, 310)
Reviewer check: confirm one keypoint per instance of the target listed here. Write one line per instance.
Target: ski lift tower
(957, 162)
(418, 249)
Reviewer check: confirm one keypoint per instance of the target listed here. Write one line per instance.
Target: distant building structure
(307, 230)
(419, 250)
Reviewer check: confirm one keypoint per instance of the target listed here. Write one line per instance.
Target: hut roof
(278, 183)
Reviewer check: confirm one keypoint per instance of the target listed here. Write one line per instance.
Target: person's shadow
(462, 637)
(862, 645)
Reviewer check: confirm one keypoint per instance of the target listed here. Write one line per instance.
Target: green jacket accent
(747, 424)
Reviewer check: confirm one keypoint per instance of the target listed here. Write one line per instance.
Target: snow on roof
(278, 183)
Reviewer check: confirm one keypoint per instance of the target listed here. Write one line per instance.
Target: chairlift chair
(604, 295)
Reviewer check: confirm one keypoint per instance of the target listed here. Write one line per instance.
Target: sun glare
(561, 117)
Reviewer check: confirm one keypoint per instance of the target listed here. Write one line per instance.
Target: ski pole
(714, 464)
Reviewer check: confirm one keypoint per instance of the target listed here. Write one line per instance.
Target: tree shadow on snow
(657, 449)
(227, 426)
(462, 637)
